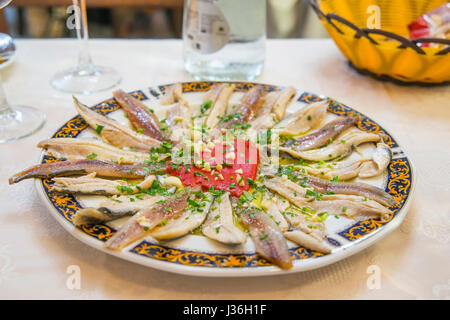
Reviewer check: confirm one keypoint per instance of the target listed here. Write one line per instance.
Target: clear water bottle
(224, 39)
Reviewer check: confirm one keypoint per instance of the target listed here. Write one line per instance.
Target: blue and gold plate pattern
(196, 255)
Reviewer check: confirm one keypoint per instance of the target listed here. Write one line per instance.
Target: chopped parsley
(323, 216)
(205, 106)
(125, 189)
(156, 188)
(164, 148)
(116, 200)
(193, 203)
(263, 237)
(99, 128)
(241, 126)
(303, 183)
(310, 193)
(228, 117)
(248, 196)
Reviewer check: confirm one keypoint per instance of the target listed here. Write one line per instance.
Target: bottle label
(205, 28)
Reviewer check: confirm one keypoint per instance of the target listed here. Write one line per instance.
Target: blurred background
(158, 19)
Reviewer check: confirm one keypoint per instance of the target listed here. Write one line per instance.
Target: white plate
(199, 256)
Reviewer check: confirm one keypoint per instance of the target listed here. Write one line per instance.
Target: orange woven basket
(386, 52)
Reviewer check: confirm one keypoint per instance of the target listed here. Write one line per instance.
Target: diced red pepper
(246, 158)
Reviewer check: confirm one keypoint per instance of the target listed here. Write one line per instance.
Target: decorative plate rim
(239, 271)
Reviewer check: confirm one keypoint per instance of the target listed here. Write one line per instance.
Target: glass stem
(84, 57)
(5, 110)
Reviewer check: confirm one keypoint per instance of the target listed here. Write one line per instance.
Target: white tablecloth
(36, 252)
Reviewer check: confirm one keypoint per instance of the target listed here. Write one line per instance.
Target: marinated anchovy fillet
(220, 225)
(305, 219)
(113, 132)
(114, 208)
(263, 122)
(344, 170)
(352, 188)
(308, 228)
(343, 145)
(276, 102)
(101, 168)
(338, 204)
(267, 167)
(139, 115)
(308, 241)
(173, 93)
(147, 219)
(273, 210)
(323, 136)
(260, 126)
(72, 149)
(247, 109)
(304, 119)
(282, 203)
(178, 119)
(89, 184)
(186, 222)
(352, 206)
(380, 161)
(96, 216)
(267, 236)
(216, 104)
(286, 186)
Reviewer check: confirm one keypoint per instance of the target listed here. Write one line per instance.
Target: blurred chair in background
(47, 18)
(144, 19)
(293, 19)
(285, 18)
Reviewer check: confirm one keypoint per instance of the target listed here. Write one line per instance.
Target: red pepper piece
(245, 160)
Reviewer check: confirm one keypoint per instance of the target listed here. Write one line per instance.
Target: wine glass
(16, 121)
(7, 46)
(86, 77)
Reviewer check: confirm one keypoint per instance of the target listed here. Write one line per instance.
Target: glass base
(21, 122)
(225, 77)
(86, 81)
(229, 72)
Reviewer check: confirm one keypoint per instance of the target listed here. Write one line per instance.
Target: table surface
(36, 253)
